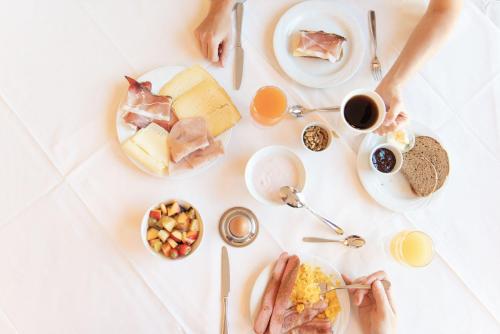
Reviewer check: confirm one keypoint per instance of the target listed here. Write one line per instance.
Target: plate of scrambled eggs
(315, 275)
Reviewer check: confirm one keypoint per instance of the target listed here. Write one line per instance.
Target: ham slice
(320, 44)
(316, 326)
(283, 297)
(294, 319)
(187, 136)
(266, 308)
(205, 155)
(141, 101)
(140, 121)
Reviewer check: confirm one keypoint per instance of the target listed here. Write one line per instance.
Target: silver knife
(238, 51)
(225, 285)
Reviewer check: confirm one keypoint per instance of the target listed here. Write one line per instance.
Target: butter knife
(225, 285)
(238, 51)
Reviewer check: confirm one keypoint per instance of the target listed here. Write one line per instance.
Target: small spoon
(299, 111)
(354, 241)
(385, 283)
(294, 198)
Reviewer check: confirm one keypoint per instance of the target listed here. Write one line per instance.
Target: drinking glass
(412, 248)
(268, 106)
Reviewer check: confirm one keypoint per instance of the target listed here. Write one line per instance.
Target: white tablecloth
(71, 257)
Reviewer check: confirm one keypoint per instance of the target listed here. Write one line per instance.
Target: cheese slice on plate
(210, 101)
(149, 147)
(185, 80)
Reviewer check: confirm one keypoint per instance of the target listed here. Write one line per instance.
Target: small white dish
(329, 16)
(145, 227)
(268, 168)
(397, 154)
(375, 98)
(324, 127)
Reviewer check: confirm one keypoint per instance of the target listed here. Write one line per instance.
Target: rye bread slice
(420, 173)
(432, 150)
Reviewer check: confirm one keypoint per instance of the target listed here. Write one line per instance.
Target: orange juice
(413, 248)
(268, 106)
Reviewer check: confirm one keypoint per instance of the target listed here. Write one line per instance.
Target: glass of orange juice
(413, 248)
(268, 105)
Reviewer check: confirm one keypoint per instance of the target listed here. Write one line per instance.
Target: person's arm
(429, 34)
(215, 33)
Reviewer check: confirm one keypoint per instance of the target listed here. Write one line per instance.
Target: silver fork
(376, 67)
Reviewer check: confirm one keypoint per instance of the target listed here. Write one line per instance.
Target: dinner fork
(376, 67)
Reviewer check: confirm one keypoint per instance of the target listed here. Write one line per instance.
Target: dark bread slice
(432, 150)
(420, 173)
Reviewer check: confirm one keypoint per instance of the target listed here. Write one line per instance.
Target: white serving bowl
(397, 154)
(145, 226)
(268, 152)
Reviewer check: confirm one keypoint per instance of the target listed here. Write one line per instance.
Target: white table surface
(71, 257)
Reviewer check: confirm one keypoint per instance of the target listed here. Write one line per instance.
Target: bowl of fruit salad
(172, 229)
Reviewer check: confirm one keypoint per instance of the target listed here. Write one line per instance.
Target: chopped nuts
(316, 138)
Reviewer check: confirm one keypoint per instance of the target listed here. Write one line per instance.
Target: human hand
(215, 33)
(377, 313)
(395, 117)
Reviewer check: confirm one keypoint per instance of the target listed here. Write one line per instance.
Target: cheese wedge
(185, 80)
(210, 101)
(149, 147)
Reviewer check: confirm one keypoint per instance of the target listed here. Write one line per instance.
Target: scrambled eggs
(307, 291)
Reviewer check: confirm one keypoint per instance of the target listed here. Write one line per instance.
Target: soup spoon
(299, 111)
(295, 199)
(354, 241)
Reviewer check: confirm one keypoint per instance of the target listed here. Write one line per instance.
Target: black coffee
(361, 112)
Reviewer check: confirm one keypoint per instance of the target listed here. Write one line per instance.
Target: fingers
(346, 279)
(213, 50)
(224, 50)
(395, 109)
(380, 297)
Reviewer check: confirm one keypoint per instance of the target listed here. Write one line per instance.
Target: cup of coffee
(363, 111)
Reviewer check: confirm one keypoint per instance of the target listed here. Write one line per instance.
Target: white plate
(329, 16)
(158, 78)
(390, 191)
(260, 284)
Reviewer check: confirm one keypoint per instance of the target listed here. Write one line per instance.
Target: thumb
(380, 296)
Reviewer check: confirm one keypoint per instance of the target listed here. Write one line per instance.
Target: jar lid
(238, 226)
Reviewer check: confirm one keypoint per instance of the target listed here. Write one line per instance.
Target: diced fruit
(163, 209)
(190, 237)
(185, 207)
(184, 250)
(156, 244)
(152, 222)
(165, 249)
(174, 254)
(191, 214)
(152, 234)
(172, 242)
(156, 214)
(182, 218)
(173, 209)
(176, 235)
(168, 223)
(163, 235)
(195, 225)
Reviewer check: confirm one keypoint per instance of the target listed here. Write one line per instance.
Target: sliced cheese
(185, 80)
(210, 101)
(149, 147)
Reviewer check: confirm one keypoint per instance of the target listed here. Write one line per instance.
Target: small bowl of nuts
(172, 229)
(316, 137)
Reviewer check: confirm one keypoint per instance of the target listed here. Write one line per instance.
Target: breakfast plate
(316, 15)
(158, 78)
(342, 320)
(391, 191)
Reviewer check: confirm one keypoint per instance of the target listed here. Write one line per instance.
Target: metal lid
(238, 227)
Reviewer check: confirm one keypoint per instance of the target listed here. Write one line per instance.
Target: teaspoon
(354, 241)
(299, 111)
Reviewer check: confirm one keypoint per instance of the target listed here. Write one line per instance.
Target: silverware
(295, 199)
(225, 286)
(299, 111)
(238, 51)
(385, 283)
(376, 67)
(354, 241)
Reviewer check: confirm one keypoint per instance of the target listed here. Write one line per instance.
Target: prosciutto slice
(316, 326)
(140, 121)
(141, 101)
(294, 319)
(187, 136)
(320, 44)
(205, 155)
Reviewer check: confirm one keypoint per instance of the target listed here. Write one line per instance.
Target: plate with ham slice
(271, 306)
(190, 148)
(319, 43)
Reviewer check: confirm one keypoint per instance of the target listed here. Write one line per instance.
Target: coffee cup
(362, 111)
